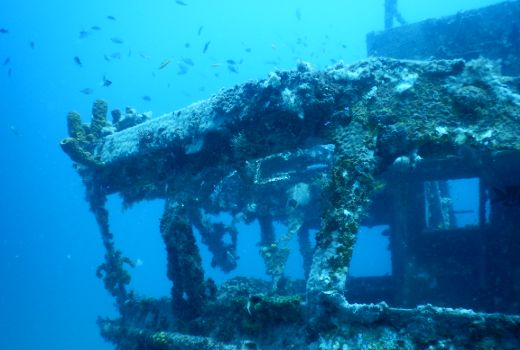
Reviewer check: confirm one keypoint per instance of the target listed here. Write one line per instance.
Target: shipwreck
(327, 151)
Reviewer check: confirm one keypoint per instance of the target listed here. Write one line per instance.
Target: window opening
(371, 256)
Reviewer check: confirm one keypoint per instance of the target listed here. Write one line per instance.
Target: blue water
(49, 242)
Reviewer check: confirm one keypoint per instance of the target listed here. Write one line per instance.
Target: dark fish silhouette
(112, 18)
(143, 55)
(86, 91)
(164, 63)
(106, 82)
(78, 61)
(187, 45)
(83, 34)
(182, 3)
(116, 55)
(248, 50)
(117, 40)
(200, 30)
(95, 28)
(6, 61)
(206, 45)
(14, 130)
(3, 31)
(32, 45)
(187, 61)
(183, 69)
(9, 72)
(231, 62)
(232, 68)
(147, 98)
(508, 196)
(298, 14)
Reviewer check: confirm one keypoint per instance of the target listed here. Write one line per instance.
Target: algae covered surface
(274, 149)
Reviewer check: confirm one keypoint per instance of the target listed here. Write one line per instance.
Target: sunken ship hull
(325, 152)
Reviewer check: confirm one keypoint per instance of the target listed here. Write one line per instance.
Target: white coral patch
(407, 81)
(441, 130)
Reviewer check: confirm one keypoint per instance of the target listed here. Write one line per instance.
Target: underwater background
(158, 56)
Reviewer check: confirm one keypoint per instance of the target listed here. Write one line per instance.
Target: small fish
(78, 61)
(164, 63)
(187, 61)
(180, 2)
(206, 45)
(147, 98)
(187, 45)
(106, 82)
(3, 31)
(143, 55)
(117, 40)
(298, 14)
(183, 69)
(248, 50)
(232, 62)
(83, 34)
(200, 30)
(232, 69)
(32, 45)
(6, 61)
(10, 72)
(14, 130)
(106, 58)
(86, 91)
(116, 55)
(95, 28)
(112, 18)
